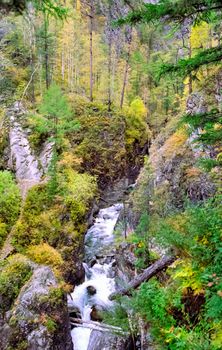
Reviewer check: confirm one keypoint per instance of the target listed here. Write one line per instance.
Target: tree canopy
(176, 13)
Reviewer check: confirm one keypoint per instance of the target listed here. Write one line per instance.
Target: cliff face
(172, 175)
(38, 318)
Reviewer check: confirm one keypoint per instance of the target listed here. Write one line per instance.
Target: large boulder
(39, 319)
(107, 341)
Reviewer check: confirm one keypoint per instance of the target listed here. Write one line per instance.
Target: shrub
(55, 221)
(10, 199)
(3, 233)
(136, 127)
(13, 275)
(78, 191)
(175, 143)
(44, 254)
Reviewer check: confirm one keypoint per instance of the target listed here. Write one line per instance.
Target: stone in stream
(91, 290)
(106, 217)
(96, 313)
(92, 262)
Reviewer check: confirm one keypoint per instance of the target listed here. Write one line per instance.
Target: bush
(3, 233)
(136, 127)
(175, 143)
(44, 254)
(55, 221)
(10, 199)
(185, 312)
(78, 191)
(28, 230)
(15, 272)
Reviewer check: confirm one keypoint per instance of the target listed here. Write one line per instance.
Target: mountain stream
(99, 277)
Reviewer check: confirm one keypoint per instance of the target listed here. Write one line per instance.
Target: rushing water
(98, 244)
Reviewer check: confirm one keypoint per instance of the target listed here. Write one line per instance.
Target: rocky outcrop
(125, 264)
(39, 319)
(28, 168)
(174, 162)
(196, 104)
(46, 155)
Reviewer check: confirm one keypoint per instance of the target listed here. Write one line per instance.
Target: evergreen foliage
(184, 67)
(57, 117)
(177, 12)
(170, 10)
(51, 7)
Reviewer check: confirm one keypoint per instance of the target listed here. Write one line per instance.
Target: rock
(39, 317)
(5, 332)
(93, 262)
(38, 339)
(105, 341)
(196, 104)
(46, 155)
(125, 264)
(106, 217)
(114, 193)
(91, 290)
(28, 167)
(96, 313)
(73, 270)
(22, 159)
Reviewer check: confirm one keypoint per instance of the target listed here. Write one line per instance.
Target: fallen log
(96, 326)
(152, 270)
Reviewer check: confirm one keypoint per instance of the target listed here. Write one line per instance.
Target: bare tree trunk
(190, 84)
(40, 74)
(109, 75)
(46, 53)
(31, 33)
(32, 64)
(63, 63)
(144, 276)
(91, 48)
(125, 74)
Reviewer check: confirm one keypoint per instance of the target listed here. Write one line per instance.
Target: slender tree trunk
(31, 36)
(190, 84)
(40, 74)
(32, 64)
(91, 48)
(109, 74)
(46, 53)
(125, 74)
(63, 63)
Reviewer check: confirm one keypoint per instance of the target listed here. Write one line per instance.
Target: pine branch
(168, 10)
(184, 67)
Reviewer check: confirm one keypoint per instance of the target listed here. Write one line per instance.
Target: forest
(110, 175)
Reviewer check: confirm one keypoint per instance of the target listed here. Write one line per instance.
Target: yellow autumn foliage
(200, 35)
(187, 276)
(174, 143)
(193, 172)
(44, 254)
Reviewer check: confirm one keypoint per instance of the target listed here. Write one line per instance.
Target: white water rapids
(99, 243)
